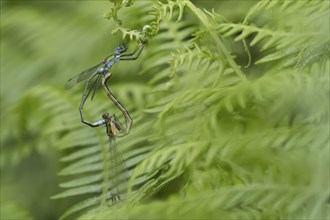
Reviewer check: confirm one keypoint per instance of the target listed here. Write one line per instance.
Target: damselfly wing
(82, 76)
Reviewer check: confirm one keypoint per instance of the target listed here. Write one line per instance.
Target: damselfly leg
(138, 48)
(85, 96)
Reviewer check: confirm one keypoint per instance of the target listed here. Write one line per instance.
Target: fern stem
(221, 47)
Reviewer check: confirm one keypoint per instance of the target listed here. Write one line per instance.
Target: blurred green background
(43, 44)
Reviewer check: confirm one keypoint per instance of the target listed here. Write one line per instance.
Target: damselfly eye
(105, 115)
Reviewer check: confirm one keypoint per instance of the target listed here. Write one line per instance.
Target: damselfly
(114, 129)
(99, 71)
(117, 168)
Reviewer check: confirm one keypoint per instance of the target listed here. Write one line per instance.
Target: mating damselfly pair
(101, 72)
(98, 72)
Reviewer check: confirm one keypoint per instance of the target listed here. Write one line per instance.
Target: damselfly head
(105, 115)
(119, 50)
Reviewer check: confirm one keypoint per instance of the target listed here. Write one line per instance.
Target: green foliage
(210, 138)
(11, 209)
(157, 10)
